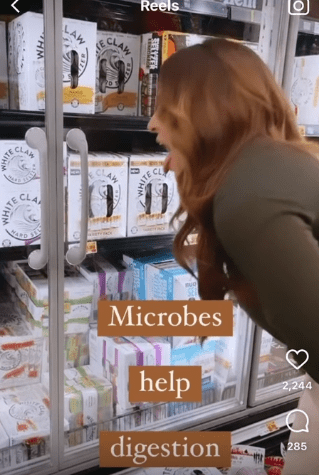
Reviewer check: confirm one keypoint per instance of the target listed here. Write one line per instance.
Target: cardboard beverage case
(109, 282)
(20, 184)
(25, 417)
(77, 294)
(153, 197)
(20, 352)
(138, 264)
(26, 64)
(4, 91)
(156, 47)
(304, 93)
(118, 355)
(107, 196)
(169, 281)
(117, 69)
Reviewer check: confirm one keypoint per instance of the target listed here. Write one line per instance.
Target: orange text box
(165, 318)
(165, 449)
(165, 383)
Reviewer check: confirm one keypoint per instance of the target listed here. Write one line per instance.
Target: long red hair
(216, 97)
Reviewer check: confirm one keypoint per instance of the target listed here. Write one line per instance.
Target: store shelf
(27, 119)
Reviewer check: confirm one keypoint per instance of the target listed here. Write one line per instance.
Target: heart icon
(297, 353)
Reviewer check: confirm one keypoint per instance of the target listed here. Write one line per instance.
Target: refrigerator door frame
(88, 455)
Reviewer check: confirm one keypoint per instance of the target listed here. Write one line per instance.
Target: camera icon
(298, 7)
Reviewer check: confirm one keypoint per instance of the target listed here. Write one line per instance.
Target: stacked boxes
(109, 282)
(153, 197)
(26, 64)
(20, 353)
(156, 47)
(20, 184)
(304, 92)
(25, 417)
(4, 96)
(107, 196)
(117, 66)
(138, 263)
(169, 281)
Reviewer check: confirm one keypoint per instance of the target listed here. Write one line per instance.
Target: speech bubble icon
(297, 353)
(301, 420)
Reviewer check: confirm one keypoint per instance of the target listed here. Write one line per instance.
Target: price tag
(302, 129)
(270, 426)
(91, 247)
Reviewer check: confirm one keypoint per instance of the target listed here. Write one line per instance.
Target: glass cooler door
(114, 207)
(28, 274)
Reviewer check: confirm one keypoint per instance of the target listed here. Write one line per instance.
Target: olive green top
(266, 217)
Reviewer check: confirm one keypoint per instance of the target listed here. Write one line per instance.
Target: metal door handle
(76, 140)
(36, 139)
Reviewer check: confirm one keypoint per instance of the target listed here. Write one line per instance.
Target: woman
(249, 183)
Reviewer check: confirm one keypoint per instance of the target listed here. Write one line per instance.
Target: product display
(117, 65)
(169, 281)
(107, 196)
(304, 92)
(26, 64)
(156, 47)
(152, 198)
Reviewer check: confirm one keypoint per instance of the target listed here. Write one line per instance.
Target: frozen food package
(162, 350)
(26, 64)
(137, 262)
(169, 281)
(4, 90)
(304, 89)
(156, 47)
(20, 352)
(107, 196)
(76, 350)
(152, 197)
(117, 69)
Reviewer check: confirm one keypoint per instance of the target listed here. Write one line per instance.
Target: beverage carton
(153, 197)
(20, 352)
(137, 262)
(117, 69)
(26, 64)
(169, 281)
(156, 47)
(107, 196)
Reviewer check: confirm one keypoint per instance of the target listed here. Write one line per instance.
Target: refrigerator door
(105, 90)
(28, 272)
(274, 374)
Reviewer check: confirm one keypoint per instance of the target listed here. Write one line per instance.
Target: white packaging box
(117, 69)
(76, 350)
(162, 350)
(26, 64)
(77, 293)
(304, 93)
(21, 217)
(20, 352)
(137, 262)
(4, 449)
(96, 352)
(4, 91)
(104, 278)
(20, 166)
(152, 198)
(118, 355)
(107, 196)
(169, 281)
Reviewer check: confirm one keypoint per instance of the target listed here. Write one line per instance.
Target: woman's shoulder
(267, 179)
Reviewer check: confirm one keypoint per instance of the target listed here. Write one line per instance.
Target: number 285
(297, 446)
